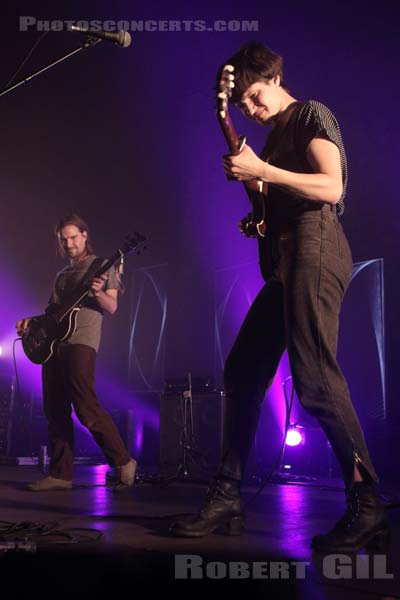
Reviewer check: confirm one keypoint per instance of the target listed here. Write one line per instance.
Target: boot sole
(378, 541)
(233, 526)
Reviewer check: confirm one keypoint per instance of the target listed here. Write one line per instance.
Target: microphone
(121, 38)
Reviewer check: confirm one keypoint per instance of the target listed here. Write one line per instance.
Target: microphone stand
(87, 43)
(187, 441)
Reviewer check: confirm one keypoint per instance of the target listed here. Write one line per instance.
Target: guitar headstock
(226, 84)
(134, 242)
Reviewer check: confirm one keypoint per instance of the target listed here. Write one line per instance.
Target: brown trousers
(68, 382)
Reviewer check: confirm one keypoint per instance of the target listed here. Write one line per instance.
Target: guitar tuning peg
(229, 68)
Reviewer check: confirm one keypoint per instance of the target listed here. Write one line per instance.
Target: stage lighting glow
(1, 350)
(295, 435)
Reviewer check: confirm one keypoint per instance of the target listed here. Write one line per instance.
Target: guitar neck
(235, 144)
(230, 135)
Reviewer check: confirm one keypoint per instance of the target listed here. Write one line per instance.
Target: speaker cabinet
(190, 435)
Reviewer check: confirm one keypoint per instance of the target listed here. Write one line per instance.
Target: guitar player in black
(68, 376)
(304, 166)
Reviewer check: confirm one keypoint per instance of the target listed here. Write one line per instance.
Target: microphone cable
(18, 394)
(268, 477)
(27, 57)
(17, 386)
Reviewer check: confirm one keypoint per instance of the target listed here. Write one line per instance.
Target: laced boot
(222, 507)
(362, 525)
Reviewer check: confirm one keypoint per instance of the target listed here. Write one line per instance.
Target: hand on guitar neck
(97, 283)
(244, 166)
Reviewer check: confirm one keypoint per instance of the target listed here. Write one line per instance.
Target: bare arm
(107, 300)
(324, 185)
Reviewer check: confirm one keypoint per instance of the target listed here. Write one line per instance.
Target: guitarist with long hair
(68, 374)
(306, 262)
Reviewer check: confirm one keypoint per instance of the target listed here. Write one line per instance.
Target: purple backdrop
(129, 139)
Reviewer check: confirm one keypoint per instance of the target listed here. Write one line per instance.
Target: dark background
(128, 138)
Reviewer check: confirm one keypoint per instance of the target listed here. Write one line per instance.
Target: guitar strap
(90, 273)
(90, 302)
(95, 266)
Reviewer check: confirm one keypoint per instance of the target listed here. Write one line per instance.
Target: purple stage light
(295, 436)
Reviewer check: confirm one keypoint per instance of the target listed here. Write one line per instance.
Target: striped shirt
(309, 120)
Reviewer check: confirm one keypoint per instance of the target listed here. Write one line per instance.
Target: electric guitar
(254, 224)
(59, 322)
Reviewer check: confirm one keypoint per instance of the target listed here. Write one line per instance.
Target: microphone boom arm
(87, 43)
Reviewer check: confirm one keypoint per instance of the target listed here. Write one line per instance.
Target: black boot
(222, 507)
(363, 524)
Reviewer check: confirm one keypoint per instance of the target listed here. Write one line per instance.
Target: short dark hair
(72, 219)
(252, 62)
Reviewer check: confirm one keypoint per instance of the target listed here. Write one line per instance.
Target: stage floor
(90, 540)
